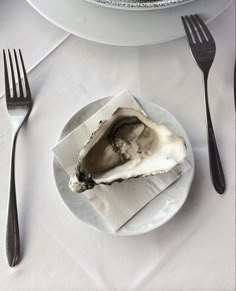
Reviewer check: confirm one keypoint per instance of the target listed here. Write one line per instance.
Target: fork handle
(217, 174)
(12, 229)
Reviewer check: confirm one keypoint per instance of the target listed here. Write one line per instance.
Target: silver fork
(19, 105)
(203, 49)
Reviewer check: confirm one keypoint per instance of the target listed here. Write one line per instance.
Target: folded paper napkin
(118, 202)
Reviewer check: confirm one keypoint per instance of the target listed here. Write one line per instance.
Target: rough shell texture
(125, 146)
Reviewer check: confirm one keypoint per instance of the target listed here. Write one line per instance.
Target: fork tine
(204, 28)
(27, 87)
(7, 86)
(194, 33)
(18, 75)
(12, 76)
(199, 29)
(187, 31)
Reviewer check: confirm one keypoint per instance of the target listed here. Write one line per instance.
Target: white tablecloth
(193, 251)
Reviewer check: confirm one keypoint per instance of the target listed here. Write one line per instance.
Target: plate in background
(124, 27)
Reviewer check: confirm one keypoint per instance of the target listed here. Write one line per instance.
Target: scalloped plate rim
(139, 6)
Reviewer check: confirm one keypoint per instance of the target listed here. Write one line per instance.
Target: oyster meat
(127, 145)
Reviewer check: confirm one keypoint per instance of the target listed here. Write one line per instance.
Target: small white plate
(140, 4)
(159, 210)
(124, 27)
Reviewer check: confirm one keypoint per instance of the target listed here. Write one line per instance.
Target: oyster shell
(127, 145)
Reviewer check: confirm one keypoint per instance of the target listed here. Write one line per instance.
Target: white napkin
(120, 201)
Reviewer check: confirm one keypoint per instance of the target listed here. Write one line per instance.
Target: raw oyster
(127, 145)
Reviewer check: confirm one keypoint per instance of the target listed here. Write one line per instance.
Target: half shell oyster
(125, 146)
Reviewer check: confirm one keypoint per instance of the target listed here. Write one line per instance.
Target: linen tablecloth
(193, 251)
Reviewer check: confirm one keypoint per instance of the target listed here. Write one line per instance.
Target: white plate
(140, 4)
(159, 210)
(123, 27)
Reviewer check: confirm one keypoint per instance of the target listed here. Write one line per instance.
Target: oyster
(127, 145)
